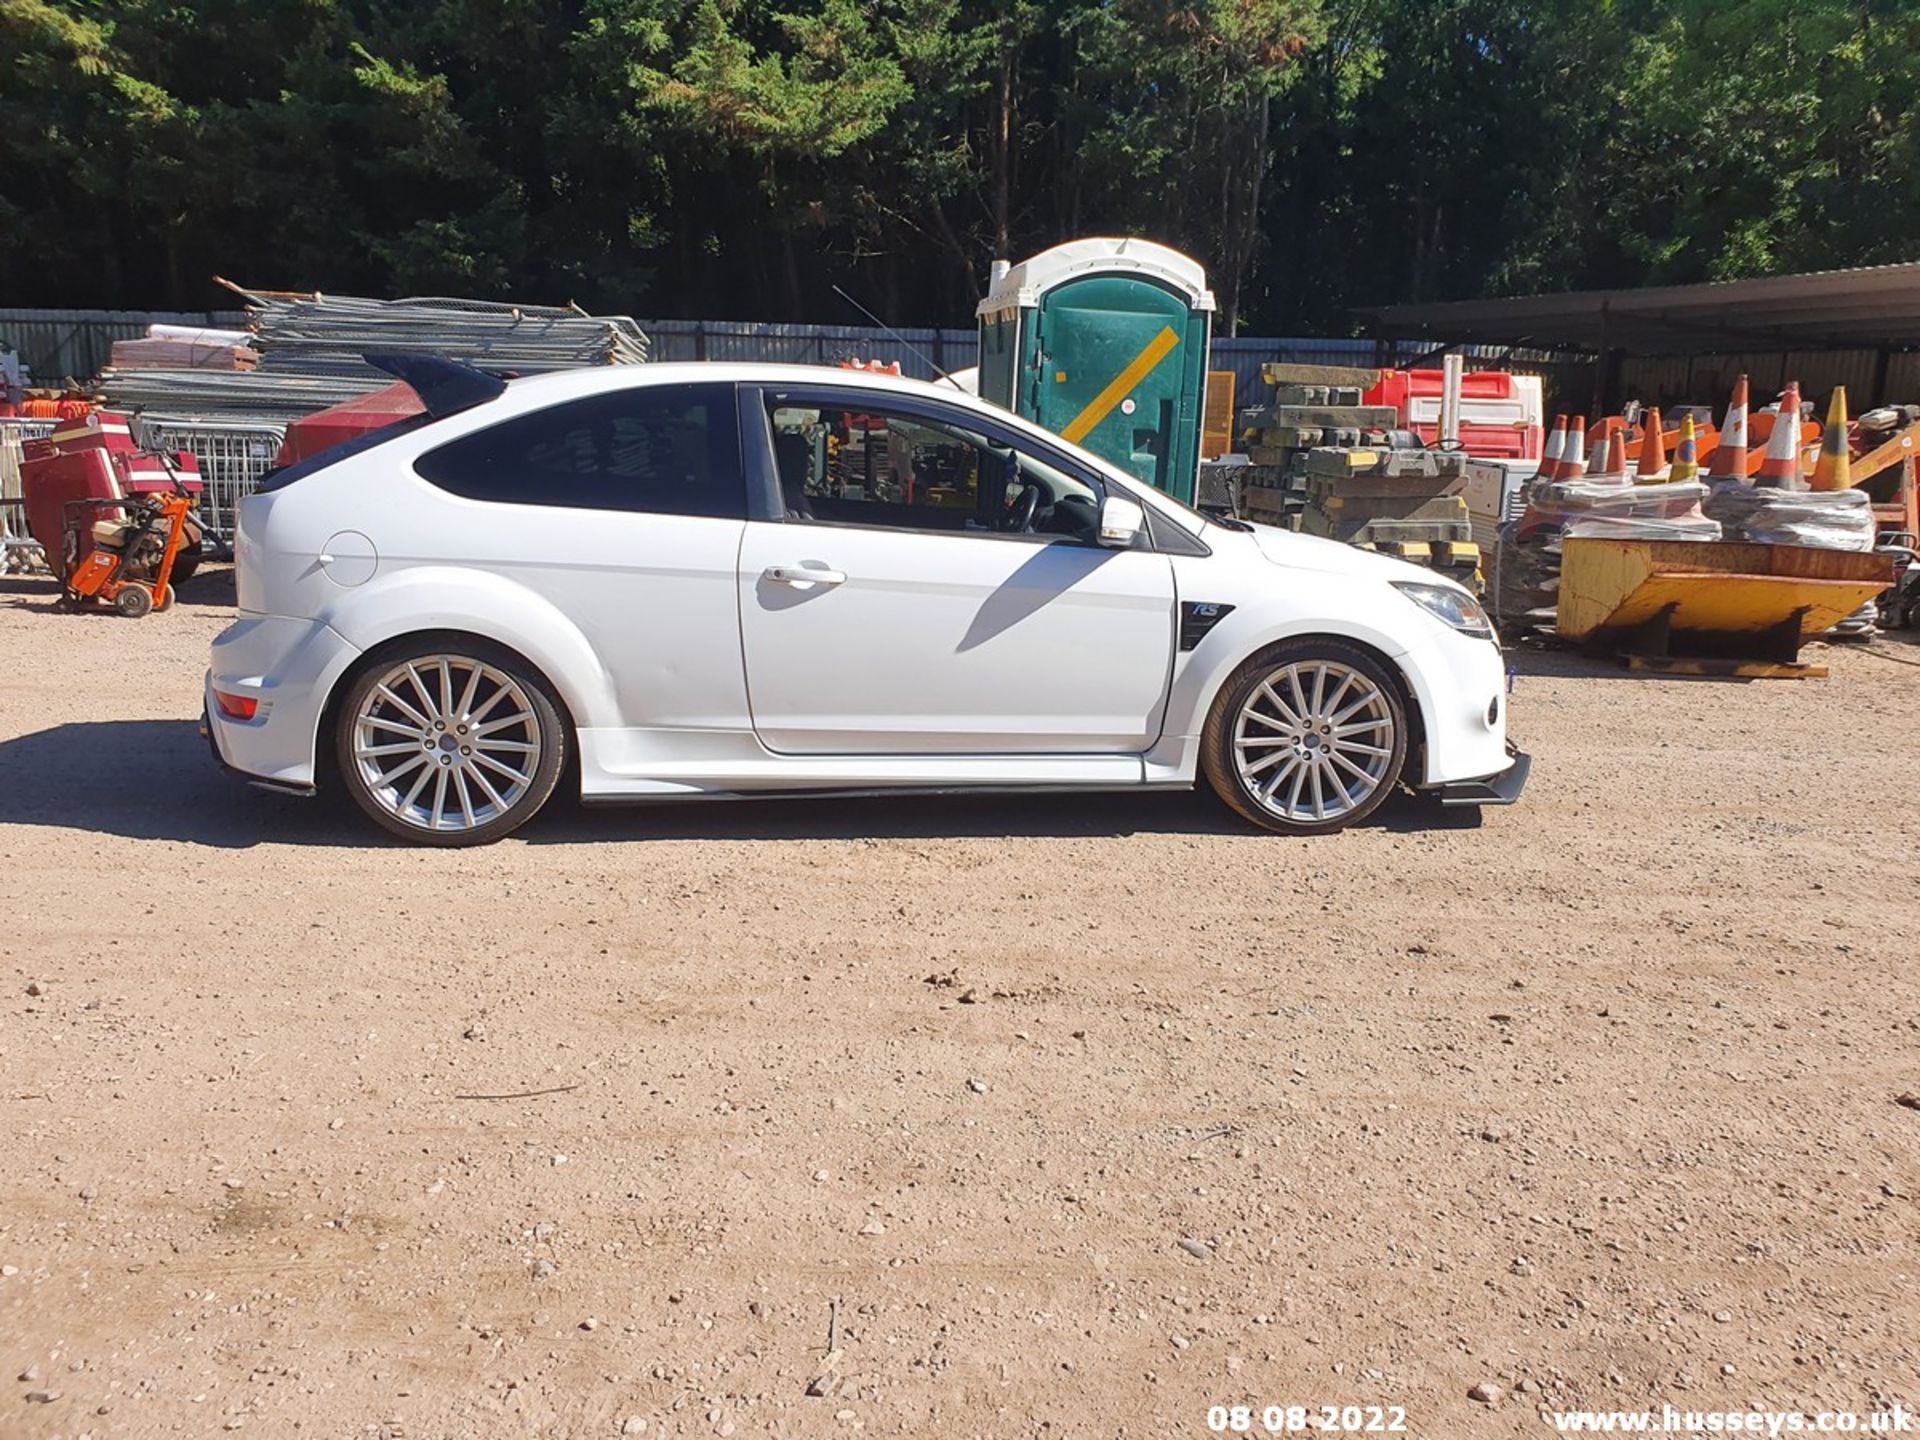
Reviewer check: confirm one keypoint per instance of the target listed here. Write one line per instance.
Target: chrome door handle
(803, 575)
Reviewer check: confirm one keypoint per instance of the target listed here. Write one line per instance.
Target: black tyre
(1307, 737)
(454, 742)
(134, 601)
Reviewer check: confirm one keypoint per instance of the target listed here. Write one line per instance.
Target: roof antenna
(938, 373)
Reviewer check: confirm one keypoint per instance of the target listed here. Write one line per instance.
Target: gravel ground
(1081, 1114)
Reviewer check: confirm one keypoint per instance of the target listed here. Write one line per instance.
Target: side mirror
(1121, 520)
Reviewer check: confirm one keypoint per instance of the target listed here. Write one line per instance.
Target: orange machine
(1887, 473)
(129, 562)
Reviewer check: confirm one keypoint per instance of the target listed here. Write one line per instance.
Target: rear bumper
(1501, 789)
(287, 668)
(285, 787)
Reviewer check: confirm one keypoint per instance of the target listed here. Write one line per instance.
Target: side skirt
(876, 792)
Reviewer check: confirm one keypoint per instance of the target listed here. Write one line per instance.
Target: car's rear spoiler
(445, 387)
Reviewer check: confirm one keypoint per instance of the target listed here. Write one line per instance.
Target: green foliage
(735, 157)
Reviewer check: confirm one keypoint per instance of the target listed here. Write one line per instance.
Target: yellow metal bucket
(1723, 596)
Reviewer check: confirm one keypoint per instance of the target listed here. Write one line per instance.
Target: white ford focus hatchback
(684, 581)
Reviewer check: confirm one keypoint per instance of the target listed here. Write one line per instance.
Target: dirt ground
(1594, 1101)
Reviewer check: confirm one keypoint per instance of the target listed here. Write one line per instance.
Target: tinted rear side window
(661, 449)
(282, 476)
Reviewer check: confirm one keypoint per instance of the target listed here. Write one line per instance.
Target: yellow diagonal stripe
(1102, 404)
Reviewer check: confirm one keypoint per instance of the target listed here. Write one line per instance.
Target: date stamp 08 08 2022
(1307, 1419)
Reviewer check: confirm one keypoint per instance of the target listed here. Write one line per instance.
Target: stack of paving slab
(1325, 463)
(1310, 406)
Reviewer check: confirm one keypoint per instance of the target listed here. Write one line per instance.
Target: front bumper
(1459, 682)
(1501, 789)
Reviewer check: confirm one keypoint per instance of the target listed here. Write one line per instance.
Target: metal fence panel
(1903, 378)
(18, 549)
(1820, 370)
(937, 350)
(232, 456)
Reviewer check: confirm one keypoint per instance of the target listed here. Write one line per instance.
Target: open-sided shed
(1857, 327)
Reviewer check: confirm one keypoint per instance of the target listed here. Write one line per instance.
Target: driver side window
(851, 465)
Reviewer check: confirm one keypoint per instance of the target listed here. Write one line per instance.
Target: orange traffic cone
(1549, 458)
(1653, 467)
(1556, 444)
(1610, 453)
(1730, 459)
(1573, 459)
(1780, 467)
(1686, 460)
(1835, 468)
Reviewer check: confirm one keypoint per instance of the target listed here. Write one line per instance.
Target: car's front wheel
(1308, 736)
(449, 746)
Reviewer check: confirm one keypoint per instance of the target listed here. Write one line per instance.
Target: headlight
(1449, 606)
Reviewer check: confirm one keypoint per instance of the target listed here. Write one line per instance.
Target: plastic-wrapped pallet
(1669, 512)
(1824, 519)
(1526, 576)
(1644, 527)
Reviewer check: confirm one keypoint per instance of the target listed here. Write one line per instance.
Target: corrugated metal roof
(1872, 307)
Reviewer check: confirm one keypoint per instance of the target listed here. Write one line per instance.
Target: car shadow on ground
(1036, 815)
(152, 780)
(155, 780)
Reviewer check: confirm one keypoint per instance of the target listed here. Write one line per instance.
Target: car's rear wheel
(1308, 736)
(454, 746)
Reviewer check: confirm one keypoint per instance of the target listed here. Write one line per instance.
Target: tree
(1181, 119)
(740, 157)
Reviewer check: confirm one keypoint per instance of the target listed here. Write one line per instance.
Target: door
(1116, 372)
(935, 590)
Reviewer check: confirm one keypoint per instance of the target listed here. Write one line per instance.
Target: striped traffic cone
(1653, 467)
(1730, 457)
(1610, 453)
(1834, 471)
(1556, 443)
(1597, 458)
(1686, 460)
(1573, 459)
(1549, 459)
(1780, 466)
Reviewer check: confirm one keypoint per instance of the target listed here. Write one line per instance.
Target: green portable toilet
(1105, 343)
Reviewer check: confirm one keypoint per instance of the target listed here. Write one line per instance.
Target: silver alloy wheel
(447, 742)
(1313, 741)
